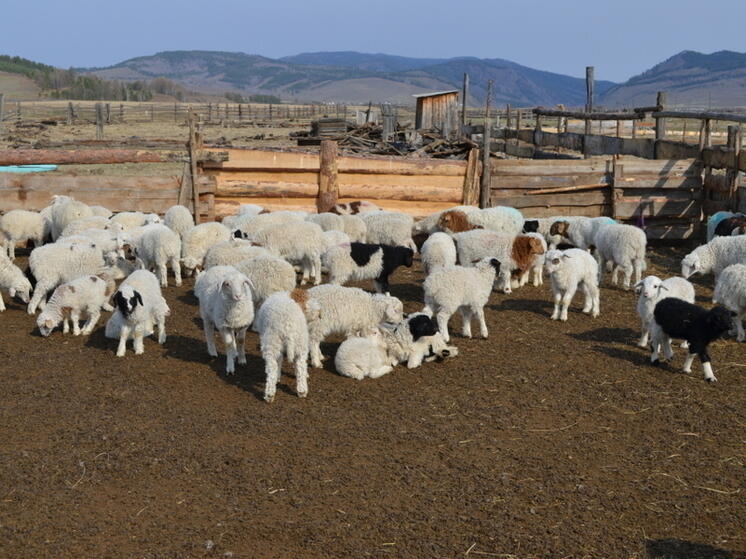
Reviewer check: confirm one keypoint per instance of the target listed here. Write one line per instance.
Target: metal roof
(435, 93)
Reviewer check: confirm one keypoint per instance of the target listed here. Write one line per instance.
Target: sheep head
(455, 221)
(561, 228)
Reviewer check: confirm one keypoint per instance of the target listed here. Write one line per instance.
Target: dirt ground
(546, 440)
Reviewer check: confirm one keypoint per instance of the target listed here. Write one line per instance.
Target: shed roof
(434, 93)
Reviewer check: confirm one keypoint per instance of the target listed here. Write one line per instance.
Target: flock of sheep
(246, 274)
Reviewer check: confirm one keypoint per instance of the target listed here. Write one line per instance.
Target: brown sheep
(523, 252)
(561, 228)
(455, 221)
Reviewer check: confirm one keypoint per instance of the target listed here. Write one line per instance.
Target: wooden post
(464, 95)
(618, 128)
(367, 113)
(70, 113)
(99, 121)
(508, 120)
(634, 128)
(18, 111)
(708, 133)
(589, 85)
(2, 107)
(484, 191)
(328, 188)
(470, 195)
(209, 113)
(176, 112)
(734, 147)
(108, 113)
(193, 155)
(121, 112)
(152, 112)
(617, 176)
(683, 132)
(660, 123)
(240, 113)
(270, 112)
(517, 124)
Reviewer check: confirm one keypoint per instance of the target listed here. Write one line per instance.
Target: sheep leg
(93, 315)
(176, 267)
(738, 319)
(163, 274)
(379, 372)
(209, 329)
(272, 367)
(75, 318)
(241, 338)
(230, 350)
(688, 362)
(138, 341)
(482, 324)
(638, 264)
(316, 268)
(627, 269)
(2, 303)
(667, 349)
(707, 367)
(538, 276)
(301, 376)
(466, 315)
(644, 337)
(315, 352)
(556, 310)
(601, 264)
(12, 249)
(124, 333)
(566, 300)
(38, 299)
(442, 318)
(65, 325)
(161, 323)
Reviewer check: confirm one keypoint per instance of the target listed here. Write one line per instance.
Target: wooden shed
(437, 110)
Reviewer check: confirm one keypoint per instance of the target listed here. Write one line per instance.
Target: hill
(689, 78)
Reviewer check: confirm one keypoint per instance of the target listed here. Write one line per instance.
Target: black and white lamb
(363, 261)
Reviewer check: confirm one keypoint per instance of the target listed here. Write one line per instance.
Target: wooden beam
(589, 116)
(192, 147)
(328, 188)
(464, 94)
(484, 194)
(471, 179)
(589, 85)
(85, 156)
(728, 117)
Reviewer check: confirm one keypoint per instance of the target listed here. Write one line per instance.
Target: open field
(546, 440)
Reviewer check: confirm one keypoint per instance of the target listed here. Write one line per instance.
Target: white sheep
(225, 304)
(327, 221)
(301, 242)
(715, 256)
(429, 224)
(197, 242)
(22, 225)
(179, 219)
(231, 252)
(458, 288)
(503, 219)
(13, 281)
(268, 274)
(438, 250)
(652, 289)
(354, 227)
(105, 240)
(389, 228)
(365, 356)
(64, 211)
(80, 225)
(624, 246)
(250, 209)
(568, 270)
(346, 310)
(730, 291)
(250, 225)
(130, 220)
(282, 323)
(158, 247)
(101, 211)
(83, 297)
(140, 307)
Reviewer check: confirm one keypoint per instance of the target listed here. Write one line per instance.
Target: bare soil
(545, 440)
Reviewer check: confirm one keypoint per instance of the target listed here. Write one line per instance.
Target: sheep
(101, 211)
(268, 274)
(327, 221)
(568, 270)
(502, 219)
(231, 252)
(22, 225)
(250, 209)
(389, 228)
(335, 238)
(416, 339)
(130, 220)
(356, 207)
(302, 242)
(624, 246)
(179, 219)
(366, 261)
(457, 288)
(282, 323)
(674, 318)
(729, 226)
(536, 264)
(714, 221)
(64, 211)
(197, 242)
(84, 296)
(105, 240)
(157, 247)
(359, 357)
(251, 225)
(80, 225)
(58, 263)
(140, 307)
(651, 290)
(354, 227)
(580, 232)
(714, 256)
(345, 310)
(13, 281)
(439, 250)
(429, 224)
(455, 221)
(730, 292)
(225, 304)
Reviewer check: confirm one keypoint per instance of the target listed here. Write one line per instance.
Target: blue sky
(620, 39)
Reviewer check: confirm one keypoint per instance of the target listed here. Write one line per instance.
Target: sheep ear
(663, 287)
(138, 297)
(638, 287)
(566, 256)
(247, 282)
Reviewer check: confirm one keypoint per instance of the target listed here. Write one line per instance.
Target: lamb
(536, 263)
(651, 290)
(366, 261)
(251, 225)
(439, 250)
(22, 225)
(157, 247)
(130, 220)
(101, 211)
(731, 225)
(197, 242)
(13, 281)
(354, 227)
(346, 310)
(674, 318)
(624, 246)
(502, 219)
(336, 238)
(568, 270)
(106, 240)
(231, 252)
(79, 225)
(225, 304)
(140, 307)
(250, 209)
(580, 232)
(359, 357)
(327, 221)
(82, 297)
(389, 228)
(58, 263)
(429, 224)
(457, 288)
(356, 207)
(64, 211)
(268, 274)
(301, 242)
(455, 221)
(282, 323)
(415, 340)
(714, 256)
(730, 292)
(179, 219)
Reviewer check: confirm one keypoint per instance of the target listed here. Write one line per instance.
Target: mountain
(689, 78)
(352, 77)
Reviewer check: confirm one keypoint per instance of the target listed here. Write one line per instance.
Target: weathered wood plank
(586, 211)
(85, 156)
(518, 168)
(547, 181)
(628, 209)
(328, 185)
(635, 166)
(576, 199)
(662, 181)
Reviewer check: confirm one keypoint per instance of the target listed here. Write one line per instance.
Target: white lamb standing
(198, 240)
(179, 219)
(131, 220)
(302, 242)
(250, 225)
(282, 323)
(327, 221)
(730, 291)
(389, 228)
(80, 225)
(536, 270)
(458, 288)
(347, 310)
(503, 219)
(64, 211)
(101, 211)
(140, 307)
(225, 304)
(438, 251)
(715, 256)
(106, 240)
(568, 270)
(268, 274)
(83, 297)
(22, 225)
(13, 281)
(354, 227)
(624, 246)
(158, 247)
(231, 252)
(653, 289)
